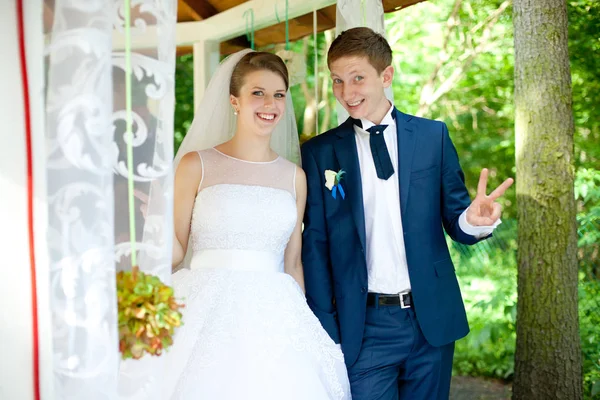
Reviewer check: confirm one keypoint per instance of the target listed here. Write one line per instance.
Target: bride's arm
(187, 180)
(293, 251)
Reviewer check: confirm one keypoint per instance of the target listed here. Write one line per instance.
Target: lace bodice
(243, 205)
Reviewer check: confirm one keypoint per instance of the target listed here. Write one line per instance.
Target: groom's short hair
(361, 42)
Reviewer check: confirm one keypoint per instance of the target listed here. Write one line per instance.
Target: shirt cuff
(477, 231)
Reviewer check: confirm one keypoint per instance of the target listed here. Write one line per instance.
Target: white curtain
(152, 102)
(90, 236)
(80, 156)
(355, 13)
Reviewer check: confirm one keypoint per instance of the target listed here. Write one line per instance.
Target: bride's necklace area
(272, 157)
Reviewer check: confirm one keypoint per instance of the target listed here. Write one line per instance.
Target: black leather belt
(404, 299)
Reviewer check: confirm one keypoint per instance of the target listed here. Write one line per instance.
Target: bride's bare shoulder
(190, 165)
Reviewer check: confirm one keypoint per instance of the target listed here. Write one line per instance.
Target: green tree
(548, 352)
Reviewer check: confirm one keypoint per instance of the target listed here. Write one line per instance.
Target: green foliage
(584, 52)
(488, 278)
(184, 97)
(587, 193)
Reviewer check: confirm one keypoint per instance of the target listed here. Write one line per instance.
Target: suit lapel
(406, 149)
(345, 151)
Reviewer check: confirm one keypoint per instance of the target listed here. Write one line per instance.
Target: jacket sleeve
(455, 196)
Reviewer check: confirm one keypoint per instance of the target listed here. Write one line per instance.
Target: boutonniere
(332, 182)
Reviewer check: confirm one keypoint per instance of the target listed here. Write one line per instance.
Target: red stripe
(29, 147)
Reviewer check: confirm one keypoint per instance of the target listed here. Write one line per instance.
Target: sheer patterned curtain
(354, 13)
(152, 105)
(91, 232)
(80, 159)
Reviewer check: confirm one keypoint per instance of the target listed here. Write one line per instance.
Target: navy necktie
(379, 150)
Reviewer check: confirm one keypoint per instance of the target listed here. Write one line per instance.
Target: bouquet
(148, 314)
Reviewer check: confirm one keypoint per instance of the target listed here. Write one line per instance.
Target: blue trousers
(396, 362)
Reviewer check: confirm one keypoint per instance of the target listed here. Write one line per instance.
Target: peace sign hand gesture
(484, 210)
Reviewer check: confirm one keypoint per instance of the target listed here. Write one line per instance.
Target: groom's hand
(484, 210)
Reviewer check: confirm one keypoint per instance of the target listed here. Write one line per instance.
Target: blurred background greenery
(454, 62)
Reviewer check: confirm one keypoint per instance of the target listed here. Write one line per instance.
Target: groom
(382, 188)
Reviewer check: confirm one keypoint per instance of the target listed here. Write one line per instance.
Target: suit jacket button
(363, 290)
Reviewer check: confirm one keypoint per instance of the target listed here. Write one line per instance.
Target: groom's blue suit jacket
(432, 197)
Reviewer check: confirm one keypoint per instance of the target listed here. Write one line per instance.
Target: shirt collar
(388, 119)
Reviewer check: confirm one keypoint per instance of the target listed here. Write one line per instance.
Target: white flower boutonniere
(333, 182)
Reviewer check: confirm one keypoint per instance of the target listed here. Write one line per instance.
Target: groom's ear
(387, 76)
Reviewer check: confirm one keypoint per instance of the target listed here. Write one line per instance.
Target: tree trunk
(548, 354)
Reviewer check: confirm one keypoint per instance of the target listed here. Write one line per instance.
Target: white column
(206, 61)
(16, 335)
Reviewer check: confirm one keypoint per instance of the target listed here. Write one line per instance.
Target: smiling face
(360, 89)
(260, 103)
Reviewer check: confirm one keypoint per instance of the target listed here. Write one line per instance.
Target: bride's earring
(235, 112)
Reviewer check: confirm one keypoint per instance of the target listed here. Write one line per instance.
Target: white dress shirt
(386, 256)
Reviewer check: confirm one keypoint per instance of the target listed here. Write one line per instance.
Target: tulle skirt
(249, 334)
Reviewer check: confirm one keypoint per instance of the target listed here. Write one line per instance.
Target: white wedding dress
(248, 332)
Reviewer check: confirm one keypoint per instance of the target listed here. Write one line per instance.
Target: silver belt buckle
(401, 295)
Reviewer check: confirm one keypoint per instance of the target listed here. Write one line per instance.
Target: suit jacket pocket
(423, 173)
(444, 267)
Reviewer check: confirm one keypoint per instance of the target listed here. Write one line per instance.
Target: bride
(248, 332)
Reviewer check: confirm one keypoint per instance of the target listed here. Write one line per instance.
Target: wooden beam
(322, 20)
(201, 8)
(225, 25)
(186, 13)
